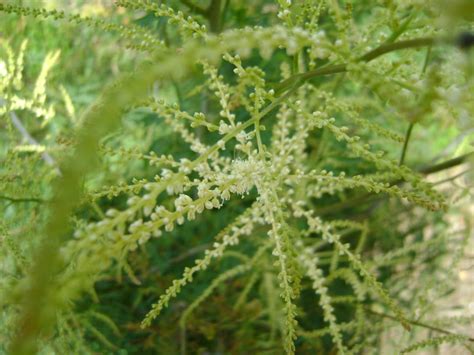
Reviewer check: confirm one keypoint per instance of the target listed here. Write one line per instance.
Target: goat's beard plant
(286, 151)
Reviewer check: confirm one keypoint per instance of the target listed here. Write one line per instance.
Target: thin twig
(412, 123)
(22, 199)
(452, 178)
(447, 164)
(405, 144)
(417, 323)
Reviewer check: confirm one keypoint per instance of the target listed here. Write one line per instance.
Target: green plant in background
(293, 128)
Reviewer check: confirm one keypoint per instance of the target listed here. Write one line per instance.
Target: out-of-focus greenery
(127, 122)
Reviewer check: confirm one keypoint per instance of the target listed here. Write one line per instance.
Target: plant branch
(390, 47)
(405, 144)
(357, 200)
(213, 14)
(447, 164)
(452, 178)
(416, 323)
(341, 68)
(19, 199)
(395, 34)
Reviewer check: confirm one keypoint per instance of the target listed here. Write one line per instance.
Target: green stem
(427, 60)
(358, 200)
(213, 13)
(259, 139)
(341, 68)
(236, 130)
(224, 12)
(26, 199)
(401, 29)
(405, 144)
(416, 323)
(412, 124)
(387, 48)
(447, 164)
